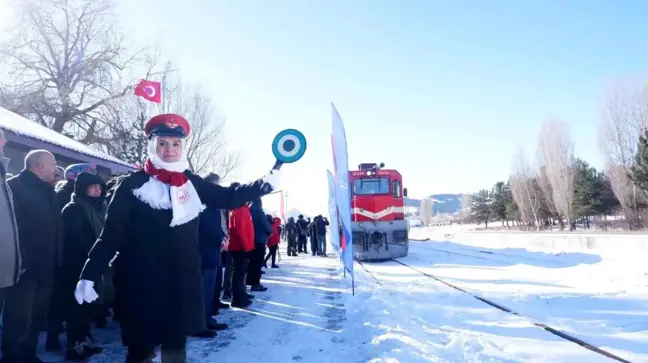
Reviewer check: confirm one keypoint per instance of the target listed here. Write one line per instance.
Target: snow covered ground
(400, 315)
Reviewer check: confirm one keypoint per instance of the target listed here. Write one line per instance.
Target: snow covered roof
(19, 125)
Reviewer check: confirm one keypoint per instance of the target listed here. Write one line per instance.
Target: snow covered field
(400, 315)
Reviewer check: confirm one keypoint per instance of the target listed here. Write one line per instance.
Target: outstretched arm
(227, 197)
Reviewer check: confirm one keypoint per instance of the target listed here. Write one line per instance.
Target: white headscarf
(183, 200)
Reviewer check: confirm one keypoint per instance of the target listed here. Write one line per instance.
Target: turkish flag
(151, 91)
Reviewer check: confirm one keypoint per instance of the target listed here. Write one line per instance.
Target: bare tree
(206, 145)
(626, 192)
(556, 158)
(465, 214)
(65, 63)
(425, 211)
(547, 192)
(624, 117)
(524, 189)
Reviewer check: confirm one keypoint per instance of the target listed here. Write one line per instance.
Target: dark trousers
(239, 270)
(79, 318)
(55, 310)
(172, 352)
(272, 253)
(226, 273)
(255, 265)
(209, 281)
(25, 314)
(2, 295)
(292, 247)
(314, 245)
(301, 243)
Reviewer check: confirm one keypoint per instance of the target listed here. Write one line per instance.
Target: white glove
(224, 244)
(272, 179)
(85, 292)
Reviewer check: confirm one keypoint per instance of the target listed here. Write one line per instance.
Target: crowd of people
(158, 249)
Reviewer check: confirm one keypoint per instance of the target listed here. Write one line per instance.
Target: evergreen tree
(498, 201)
(481, 207)
(587, 190)
(609, 202)
(512, 210)
(639, 169)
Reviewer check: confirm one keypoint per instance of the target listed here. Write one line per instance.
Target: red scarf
(174, 179)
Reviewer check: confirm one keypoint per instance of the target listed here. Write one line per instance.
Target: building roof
(61, 144)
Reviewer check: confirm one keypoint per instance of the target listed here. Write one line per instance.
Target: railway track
(503, 308)
(487, 255)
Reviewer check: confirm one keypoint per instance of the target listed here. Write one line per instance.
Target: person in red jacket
(241, 242)
(273, 242)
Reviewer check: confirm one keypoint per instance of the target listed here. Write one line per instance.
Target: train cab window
(370, 186)
(397, 189)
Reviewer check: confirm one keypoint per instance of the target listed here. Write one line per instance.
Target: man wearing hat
(152, 222)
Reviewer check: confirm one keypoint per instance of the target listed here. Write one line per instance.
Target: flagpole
(165, 105)
(163, 94)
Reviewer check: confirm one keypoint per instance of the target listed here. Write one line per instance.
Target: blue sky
(444, 91)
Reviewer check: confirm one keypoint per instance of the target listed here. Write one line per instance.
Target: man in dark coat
(291, 231)
(262, 230)
(83, 220)
(153, 222)
(210, 240)
(320, 231)
(302, 238)
(313, 237)
(38, 217)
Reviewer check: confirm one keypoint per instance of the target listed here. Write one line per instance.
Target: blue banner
(333, 215)
(342, 194)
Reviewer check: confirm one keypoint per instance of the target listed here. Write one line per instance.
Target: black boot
(222, 305)
(214, 325)
(258, 287)
(206, 334)
(52, 344)
(77, 352)
(92, 346)
(241, 304)
(174, 355)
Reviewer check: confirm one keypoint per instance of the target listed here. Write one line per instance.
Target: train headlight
(368, 172)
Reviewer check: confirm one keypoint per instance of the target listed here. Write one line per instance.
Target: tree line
(560, 190)
(67, 65)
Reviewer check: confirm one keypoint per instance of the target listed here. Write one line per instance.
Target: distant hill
(441, 203)
(409, 202)
(446, 203)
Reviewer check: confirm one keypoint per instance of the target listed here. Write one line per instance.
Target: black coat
(320, 225)
(262, 229)
(79, 237)
(158, 273)
(38, 216)
(64, 190)
(210, 237)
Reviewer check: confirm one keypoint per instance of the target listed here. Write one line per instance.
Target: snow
(398, 314)
(22, 126)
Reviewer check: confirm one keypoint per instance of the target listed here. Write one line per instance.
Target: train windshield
(370, 186)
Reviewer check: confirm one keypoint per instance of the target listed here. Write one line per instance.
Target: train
(379, 228)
